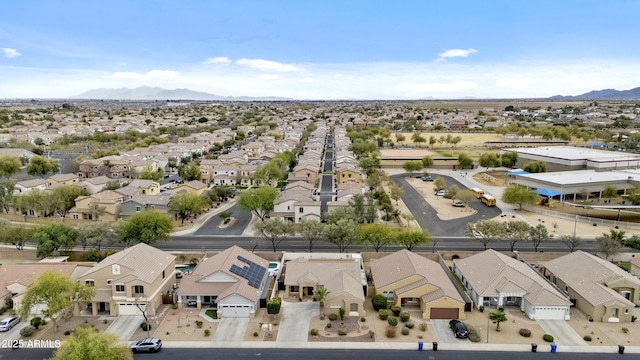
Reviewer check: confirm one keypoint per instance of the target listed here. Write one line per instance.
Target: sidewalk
(197, 223)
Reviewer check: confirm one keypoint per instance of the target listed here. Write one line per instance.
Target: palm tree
(321, 294)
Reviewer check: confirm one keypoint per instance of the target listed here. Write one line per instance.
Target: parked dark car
(428, 178)
(147, 345)
(459, 329)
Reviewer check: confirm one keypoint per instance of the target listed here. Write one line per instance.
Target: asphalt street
(426, 215)
(241, 221)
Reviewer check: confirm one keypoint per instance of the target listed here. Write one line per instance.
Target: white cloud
(268, 76)
(308, 80)
(149, 75)
(217, 60)
(268, 65)
(451, 53)
(10, 53)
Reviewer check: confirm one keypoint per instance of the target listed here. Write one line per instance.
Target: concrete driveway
(13, 334)
(294, 325)
(124, 326)
(230, 331)
(563, 333)
(444, 333)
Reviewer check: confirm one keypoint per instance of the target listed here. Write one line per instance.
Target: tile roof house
(25, 186)
(136, 276)
(138, 203)
(406, 278)
(233, 282)
(495, 279)
(195, 187)
(600, 289)
(343, 278)
(62, 179)
(110, 200)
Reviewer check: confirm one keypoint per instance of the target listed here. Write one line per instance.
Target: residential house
(138, 203)
(130, 280)
(348, 172)
(62, 179)
(496, 280)
(233, 282)
(145, 187)
(20, 153)
(307, 172)
(193, 187)
(408, 279)
(254, 149)
(343, 278)
(225, 175)
(600, 289)
(108, 201)
(25, 186)
(94, 185)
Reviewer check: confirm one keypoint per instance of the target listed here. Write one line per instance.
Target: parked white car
(274, 268)
(8, 323)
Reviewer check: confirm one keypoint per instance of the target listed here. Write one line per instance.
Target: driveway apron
(124, 326)
(562, 332)
(230, 330)
(294, 325)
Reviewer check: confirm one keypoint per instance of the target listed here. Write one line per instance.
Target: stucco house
(408, 279)
(194, 187)
(25, 186)
(134, 278)
(93, 185)
(343, 279)
(233, 282)
(107, 199)
(600, 289)
(62, 179)
(138, 203)
(493, 279)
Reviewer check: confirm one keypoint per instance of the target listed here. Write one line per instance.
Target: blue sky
(349, 49)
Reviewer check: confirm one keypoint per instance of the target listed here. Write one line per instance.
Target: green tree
(509, 159)
(418, 139)
(96, 210)
(57, 291)
(464, 161)
(321, 294)
(609, 191)
(369, 163)
(259, 201)
(16, 235)
(410, 238)
(348, 213)
(412, 166)
(571, 241)
(439, 183)
(395, 192)
(95, 234)
(6, 195)
(87, 343)
(516, 230)
(40, 166)
(375, 235)
(497, 317)
(456, 140)
(274, 305)
(9, 165)
(64, 197)
(518, 194)
(427, 161)
(269, 173)
(400, 138)
(535, 167)
(190, 172)
(274, 230)
(148, 173)
(112, 185)
(147, 227)
(51, 238)
(311, 231)
(432, 140)
(611, 243)
(343, 233)
(538, 234)
(489, 160)
(466, 196)
(486, 231)
(186, 204)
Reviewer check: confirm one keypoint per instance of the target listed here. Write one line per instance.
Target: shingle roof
(590, 277)
(491, 273)
(404, 264)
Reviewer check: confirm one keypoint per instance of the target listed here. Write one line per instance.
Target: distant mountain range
(606, 94)
(156, 93)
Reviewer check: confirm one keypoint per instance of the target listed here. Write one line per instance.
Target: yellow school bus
(479, 192)
(488, 200)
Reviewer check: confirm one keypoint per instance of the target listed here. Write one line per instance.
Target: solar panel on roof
(252, 272)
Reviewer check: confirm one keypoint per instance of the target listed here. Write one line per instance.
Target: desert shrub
(199, 323)
(393, 321)
(587, 338)
(379, 302)
(547, 338)
(525, 332)
(328, 325)
(371, 334)
(333, 317)
(423, 326)
(625, 330)
(405, 331)
(390, 331)
(342, 311)
(362, 319)
(474, 334)
(36, 322)
(396, 309)
(145, 326)
(383, 314)
(255, 334)
(419, 336)
(481, 308)
(314, 332)
(404, 316)
(207, 332)
(27, 331)
(410, 325)
(68, 332)
(342, 332)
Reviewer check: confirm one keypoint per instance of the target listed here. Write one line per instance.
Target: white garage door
(550, 313)
(239, 311)
(128, 309)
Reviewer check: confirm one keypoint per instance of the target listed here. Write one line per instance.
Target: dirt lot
(444, 207)
(408, 153)
(468, 139)
(47, 332)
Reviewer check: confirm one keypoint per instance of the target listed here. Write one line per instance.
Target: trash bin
(420, 344)
(620, 349)
(435, 346)
(534, 347)
(553, 348)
